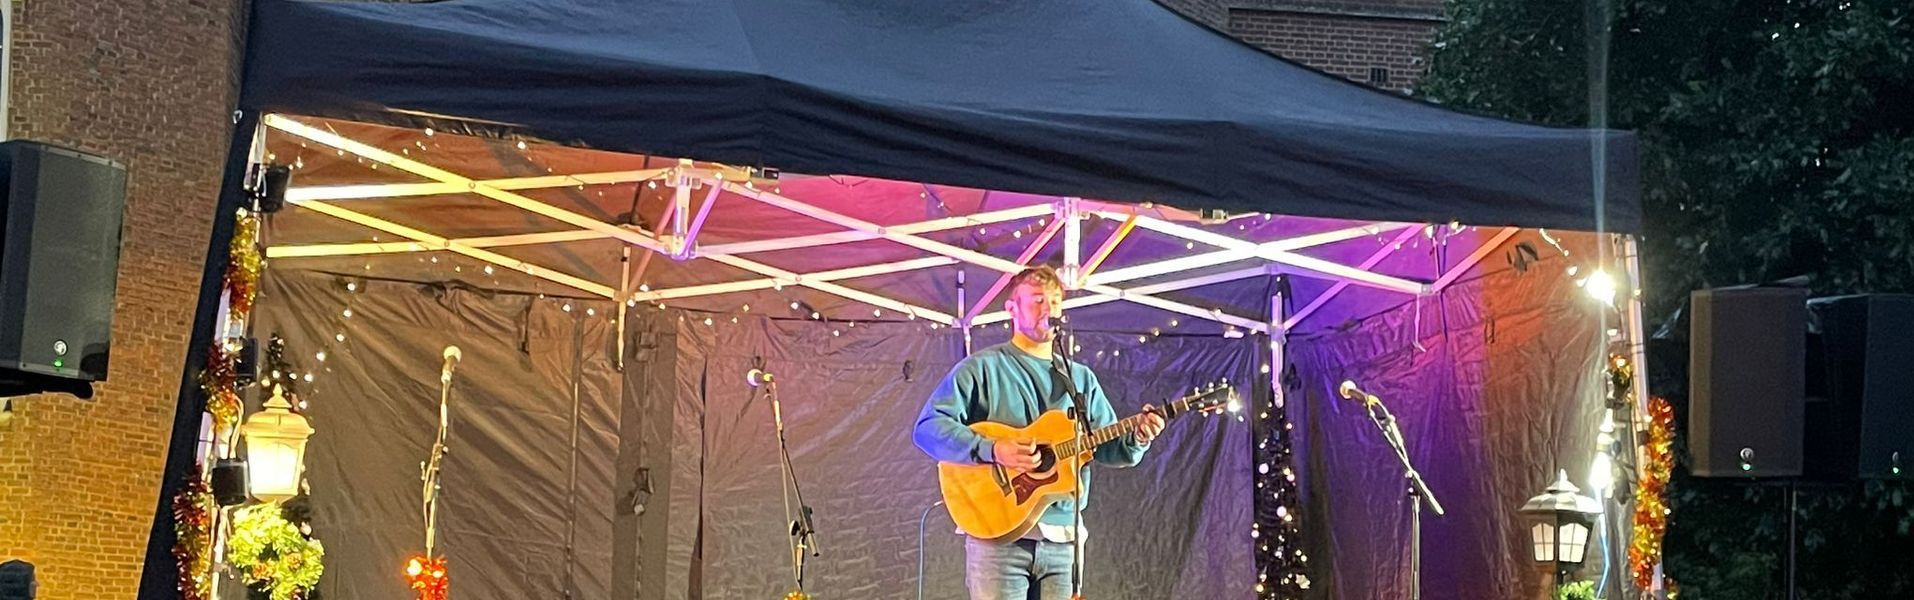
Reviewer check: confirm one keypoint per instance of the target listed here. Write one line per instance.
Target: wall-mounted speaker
(59, 258)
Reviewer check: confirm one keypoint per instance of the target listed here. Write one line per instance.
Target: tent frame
(698, 186)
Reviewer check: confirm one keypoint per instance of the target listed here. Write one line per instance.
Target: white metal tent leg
(1637, 415)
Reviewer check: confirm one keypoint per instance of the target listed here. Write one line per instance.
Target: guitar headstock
(1207, 400)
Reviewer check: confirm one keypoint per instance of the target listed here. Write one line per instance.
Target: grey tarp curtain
(1497, 378)
(681, 419)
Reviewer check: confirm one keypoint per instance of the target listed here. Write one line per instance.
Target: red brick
(150, 83)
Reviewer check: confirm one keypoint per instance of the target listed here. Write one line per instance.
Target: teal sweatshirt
(1006, 385)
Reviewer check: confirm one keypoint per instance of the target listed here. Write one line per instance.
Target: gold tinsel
(1651, 495)
(243, 265)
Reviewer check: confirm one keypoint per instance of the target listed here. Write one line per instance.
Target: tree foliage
(1778, 137)
(1777, 140)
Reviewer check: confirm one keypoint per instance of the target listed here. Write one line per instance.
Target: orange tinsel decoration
(243, 265)
(192, 526)
(427, 577)
(1651, 506)
(220, 381)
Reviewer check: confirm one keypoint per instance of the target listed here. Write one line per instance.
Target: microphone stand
(429, 471)
(803, 530)
(1418, 489)
(1061, 357)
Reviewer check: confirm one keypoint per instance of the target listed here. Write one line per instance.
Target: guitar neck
(1115, 430)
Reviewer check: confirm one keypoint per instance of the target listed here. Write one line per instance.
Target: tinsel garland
(243, 265)
(1651, 506)
(193, 532)
(427, 577)
(220, 382)
(193, 505)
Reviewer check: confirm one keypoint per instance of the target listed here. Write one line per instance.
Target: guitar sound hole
(1046, 459)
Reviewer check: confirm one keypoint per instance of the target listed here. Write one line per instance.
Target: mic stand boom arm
(1386, 421)
(1418, 489)
(803, 530)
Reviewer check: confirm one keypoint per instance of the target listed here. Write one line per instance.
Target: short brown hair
(1040, 275)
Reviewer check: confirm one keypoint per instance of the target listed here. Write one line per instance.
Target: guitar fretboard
(1121, 428)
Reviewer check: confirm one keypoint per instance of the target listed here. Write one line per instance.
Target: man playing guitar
(1012, 384)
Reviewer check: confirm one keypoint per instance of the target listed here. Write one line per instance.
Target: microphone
(452, 356)
(1351, 392)
(757, 377)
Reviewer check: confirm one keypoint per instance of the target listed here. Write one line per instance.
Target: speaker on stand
(1746, 381)
(1860, 421)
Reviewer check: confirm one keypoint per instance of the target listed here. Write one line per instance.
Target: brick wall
(1353, 47)
(1213, 13)
(151, 84)
(1348, 38)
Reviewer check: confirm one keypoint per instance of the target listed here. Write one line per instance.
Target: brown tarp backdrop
(662, 480)
(1496, 379)
(567, 477)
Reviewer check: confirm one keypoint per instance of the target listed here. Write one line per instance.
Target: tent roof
(1111, 99)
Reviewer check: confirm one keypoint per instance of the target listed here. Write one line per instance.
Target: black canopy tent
(1122, 102)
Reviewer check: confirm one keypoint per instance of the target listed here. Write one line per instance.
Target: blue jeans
(1020, 570)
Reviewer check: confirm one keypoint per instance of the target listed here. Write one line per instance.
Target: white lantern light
(1560, 521)
(275, 448)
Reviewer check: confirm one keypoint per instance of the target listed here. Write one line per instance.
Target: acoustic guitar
(994, 503)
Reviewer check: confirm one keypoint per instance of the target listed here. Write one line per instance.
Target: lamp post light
(1560, 521)
(275, 448)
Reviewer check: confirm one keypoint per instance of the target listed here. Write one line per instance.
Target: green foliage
(1777, 140)
(272, 555)
(1580, 590)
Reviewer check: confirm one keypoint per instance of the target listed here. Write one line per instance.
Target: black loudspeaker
(1746, 381)
(59, 256)
(17, 581)
(229, 482)
(1862, 424)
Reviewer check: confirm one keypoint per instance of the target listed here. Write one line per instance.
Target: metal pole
(963, 316)
(1637, 339)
